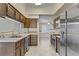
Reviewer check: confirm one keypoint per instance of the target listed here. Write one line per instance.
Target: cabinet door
(33, 40)
(22, 48)
(22, 18)
(33, 23)
(2, 9)
(27, 23)
(18, 52)
(17, 44)
(10, 11)
(17, 16)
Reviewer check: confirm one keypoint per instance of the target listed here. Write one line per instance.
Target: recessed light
(37, 3)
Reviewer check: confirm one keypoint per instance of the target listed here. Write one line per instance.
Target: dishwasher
(27, 44)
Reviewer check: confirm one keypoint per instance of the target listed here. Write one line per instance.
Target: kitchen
(28, 29)
(15, 38)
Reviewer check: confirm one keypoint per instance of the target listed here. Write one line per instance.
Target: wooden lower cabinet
(22, 48)
(18, 52)
(19, 48)
(33, 40)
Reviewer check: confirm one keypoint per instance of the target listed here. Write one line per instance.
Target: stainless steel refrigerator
(70, 32)
(73, 31)
(62, 35)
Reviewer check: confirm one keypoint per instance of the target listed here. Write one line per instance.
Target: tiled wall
(7, 25)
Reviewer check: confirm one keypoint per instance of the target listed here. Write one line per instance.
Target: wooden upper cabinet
(33, 23)
(27, 23)
(7, 10)
(10, 11)
(30, 23)
(17, 15)
(22, 19)
(2, 9)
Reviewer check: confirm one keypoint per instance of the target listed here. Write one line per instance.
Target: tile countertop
(12, 39)
(33, 34)
(15, 39)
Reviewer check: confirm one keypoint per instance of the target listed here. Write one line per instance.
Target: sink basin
(15, 36)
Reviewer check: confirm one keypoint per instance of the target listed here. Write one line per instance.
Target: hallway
(43, 49)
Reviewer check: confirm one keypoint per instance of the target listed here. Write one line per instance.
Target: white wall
(44, 20)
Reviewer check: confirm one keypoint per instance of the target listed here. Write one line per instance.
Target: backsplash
(33, 30)
(8, 26)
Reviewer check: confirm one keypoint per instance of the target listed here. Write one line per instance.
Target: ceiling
(72, 12)
(43, 9)
(32, 9)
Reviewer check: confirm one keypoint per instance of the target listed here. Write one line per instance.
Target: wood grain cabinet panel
(10, 11)
(27, 23)
(30, 23)
(22, 19)
(22, 47)
(19, 48)
(17, 44)
(3, 9)
(33, 23)
(17, 15)
(34, 40)
(18, 52)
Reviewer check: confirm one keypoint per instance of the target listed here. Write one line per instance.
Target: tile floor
(43, 49)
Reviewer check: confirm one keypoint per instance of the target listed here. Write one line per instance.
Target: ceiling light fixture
(37, 3)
